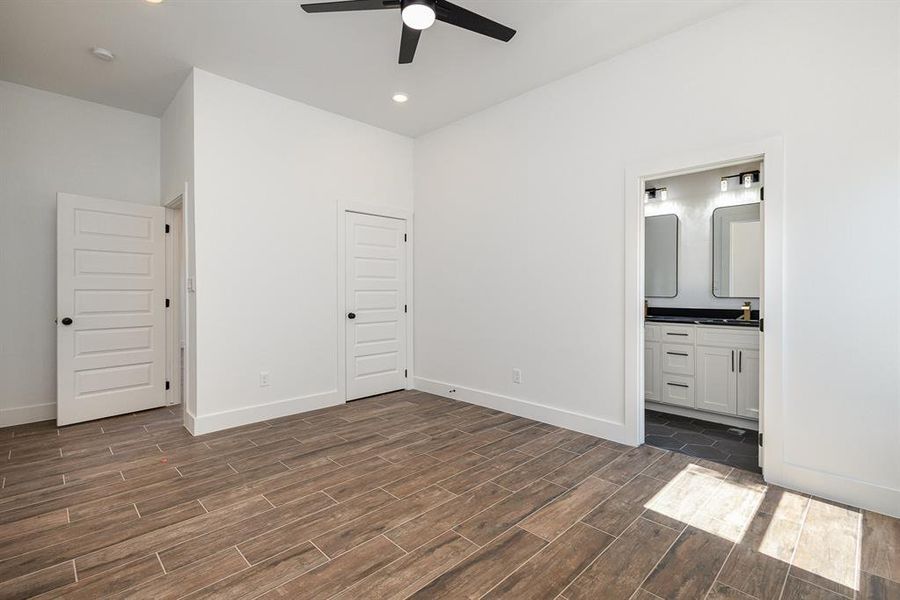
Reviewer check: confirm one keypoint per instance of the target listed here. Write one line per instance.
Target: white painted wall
(48, 144)
(269, 173)
(520, 216)
(693, 198)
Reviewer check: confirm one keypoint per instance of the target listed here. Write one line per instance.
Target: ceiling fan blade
(459, 16)
(347, 5)
(408, 42)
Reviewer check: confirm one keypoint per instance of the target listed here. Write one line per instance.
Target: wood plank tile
(532, 470)
(422, 479)
(688, 569)
(377, 522)
(880, 545)
(759, 563)
(483, 472)
(582, 467)
(280, 494)
(406, 575)
(477, 574)
(493, 521)
(258, 548)
(268, 574)
(510, 442)
(619, 571)
(339, 574)
(448, 515)
(109, 582)
(618, 511)
(71, 549)
(38, 582)
(720, 591)
(796, 589)
(359, 485)
(873, 587)
(629, 464)
(34, 524)
(548, 442)
(195, 576)
(552, 569)
(154, 541)
(557, 516)
(180, 552)
(837, 528)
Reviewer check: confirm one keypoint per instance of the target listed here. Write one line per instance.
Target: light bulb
(724, 185)
(646, 196)
(748, 180)
(663, 194)
(418, 16)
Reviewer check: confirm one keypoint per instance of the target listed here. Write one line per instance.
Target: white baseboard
(200, 424)
(19, 415)
(857, 493)
(582, 423)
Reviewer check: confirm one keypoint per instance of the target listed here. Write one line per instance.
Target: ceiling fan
(418, 15)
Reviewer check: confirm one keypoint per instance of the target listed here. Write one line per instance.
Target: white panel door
(111, 285)
(376, 305)
(716, 380)
(748, 384)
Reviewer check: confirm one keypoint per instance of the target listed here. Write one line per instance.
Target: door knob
(351, 315)
(66, 321)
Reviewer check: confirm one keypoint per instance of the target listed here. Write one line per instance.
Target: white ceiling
(345, 63)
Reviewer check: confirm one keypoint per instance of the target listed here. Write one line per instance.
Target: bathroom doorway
(701, 271)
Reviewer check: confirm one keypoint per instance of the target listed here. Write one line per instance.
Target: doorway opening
(702, 279)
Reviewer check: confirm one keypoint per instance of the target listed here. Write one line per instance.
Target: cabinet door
(748, 384)
(651, 371)
(716, 380)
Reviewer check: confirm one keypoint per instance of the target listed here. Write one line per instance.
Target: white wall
(269, 173)
(693, 198)
(520, 216)
(48, 144)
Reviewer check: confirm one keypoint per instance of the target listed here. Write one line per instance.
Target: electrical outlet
(517, 376)
(264, 379)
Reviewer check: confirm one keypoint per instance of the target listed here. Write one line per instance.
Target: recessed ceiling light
(103, 54)
(155, 1)
(400, 97)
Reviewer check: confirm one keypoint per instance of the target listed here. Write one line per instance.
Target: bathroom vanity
(703, 371)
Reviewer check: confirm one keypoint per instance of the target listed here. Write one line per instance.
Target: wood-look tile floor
(410, 495)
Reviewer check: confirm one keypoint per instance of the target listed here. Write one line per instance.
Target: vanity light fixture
(746, 178)
(650, 194)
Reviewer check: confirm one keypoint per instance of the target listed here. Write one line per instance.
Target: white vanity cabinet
(703, 368)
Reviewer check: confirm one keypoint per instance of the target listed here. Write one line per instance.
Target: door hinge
(404, 308)
(167, 228)
(167, 384)
(759, 438)
(762, 193)
(762, 326)
(404, 237)
(405, 373)
(167, 303)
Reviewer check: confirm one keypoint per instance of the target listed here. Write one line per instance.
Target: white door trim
(379, 211)
(771, 151)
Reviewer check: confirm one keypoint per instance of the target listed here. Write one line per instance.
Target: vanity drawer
(678, 334)
(652, 333)
(677, 359)
(729, 337)
(678, 390)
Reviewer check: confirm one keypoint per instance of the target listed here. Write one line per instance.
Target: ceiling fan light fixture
(418, 14)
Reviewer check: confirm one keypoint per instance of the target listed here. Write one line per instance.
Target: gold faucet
(746, 311)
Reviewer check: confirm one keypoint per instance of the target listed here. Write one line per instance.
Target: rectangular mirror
(661, 256)
(737, 251)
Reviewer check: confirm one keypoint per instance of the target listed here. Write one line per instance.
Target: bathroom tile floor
(703, 439)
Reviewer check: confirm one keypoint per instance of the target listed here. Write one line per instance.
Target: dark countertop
(700, 321)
